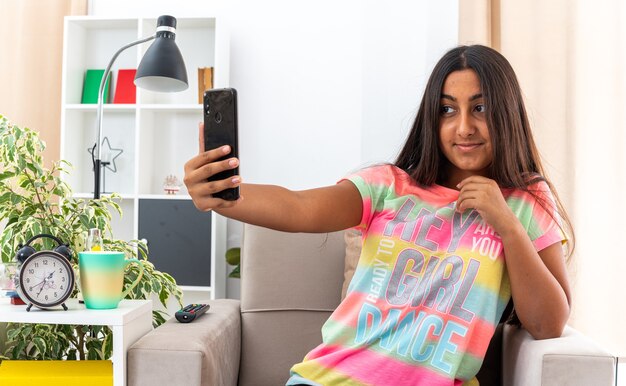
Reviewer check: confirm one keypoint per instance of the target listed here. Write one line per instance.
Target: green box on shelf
(91, 86)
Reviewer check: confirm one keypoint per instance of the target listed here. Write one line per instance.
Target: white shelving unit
(157, 135)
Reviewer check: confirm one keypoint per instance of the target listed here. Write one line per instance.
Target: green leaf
(93, 354)
(40, 344)
(15, 199)
(163, 296)
(12, 334)
(107, 346)
(26, 330)
(72, 354)
(6, 174)
(10, 143)
(5, 197)
(158, 318)
(17, 351)
(36, 230)
(56, 348)
(156, 285)
(235, 273)
(146, 288)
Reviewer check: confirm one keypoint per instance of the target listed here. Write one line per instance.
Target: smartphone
(220, 128)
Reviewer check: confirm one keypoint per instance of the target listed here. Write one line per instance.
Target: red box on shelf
(125, 89)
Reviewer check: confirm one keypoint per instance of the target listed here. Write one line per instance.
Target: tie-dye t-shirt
(429, 289)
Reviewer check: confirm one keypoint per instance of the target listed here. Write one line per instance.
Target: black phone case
(220, 128)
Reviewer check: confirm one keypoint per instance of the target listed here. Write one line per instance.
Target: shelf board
(191, 107)
(125, 196)
(164, 197)
(105, 107)
(171, 107)
(76, 313)
(195, 288)
(129, 196)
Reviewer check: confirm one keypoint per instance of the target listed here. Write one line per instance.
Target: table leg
(123, 338)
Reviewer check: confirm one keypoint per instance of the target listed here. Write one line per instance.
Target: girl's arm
(320, 210)
(539, 283)
(325, 209)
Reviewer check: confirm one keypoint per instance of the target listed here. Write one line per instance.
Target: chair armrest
(203, 352)
(573, 359)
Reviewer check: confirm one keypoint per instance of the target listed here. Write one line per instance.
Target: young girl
(460, 224)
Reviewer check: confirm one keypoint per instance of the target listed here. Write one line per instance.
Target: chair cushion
(272, 342)
(291, 271)
(354, 242)
(291, 282)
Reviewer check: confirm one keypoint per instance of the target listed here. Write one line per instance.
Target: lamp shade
(162, 67)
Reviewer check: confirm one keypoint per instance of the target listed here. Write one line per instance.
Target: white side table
(129, 321)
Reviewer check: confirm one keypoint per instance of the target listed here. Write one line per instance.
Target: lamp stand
(97, 163)
(104, 180)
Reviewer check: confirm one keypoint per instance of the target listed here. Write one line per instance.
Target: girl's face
(463, 134)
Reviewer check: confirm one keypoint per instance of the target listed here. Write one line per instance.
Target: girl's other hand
(484, 195)
(201, 167)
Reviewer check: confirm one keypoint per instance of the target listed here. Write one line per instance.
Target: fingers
(206, 188)
(203, 166)
(212, 168)
(200, 168)
(475, 180)
(206, 157)
(479, 193)
(463, 204)
(202, 193)
(201, 137)
(475, 193)
(209, 203)
(467, 199)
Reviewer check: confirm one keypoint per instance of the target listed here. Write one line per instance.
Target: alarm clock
(45, 278)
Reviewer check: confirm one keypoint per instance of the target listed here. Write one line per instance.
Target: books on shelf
(91, 86)
(205, 81)
(125, 89)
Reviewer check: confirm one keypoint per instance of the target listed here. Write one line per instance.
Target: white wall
(324, 86)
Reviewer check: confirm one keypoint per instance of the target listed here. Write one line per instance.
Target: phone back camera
(208, 109)
(218, 117)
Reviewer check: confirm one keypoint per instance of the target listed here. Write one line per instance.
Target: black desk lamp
(161, 69)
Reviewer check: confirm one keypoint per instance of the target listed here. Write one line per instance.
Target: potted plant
(35, 200)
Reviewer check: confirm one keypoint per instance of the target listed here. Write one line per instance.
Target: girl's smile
(467, 147)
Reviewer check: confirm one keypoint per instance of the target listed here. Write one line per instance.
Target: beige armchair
(290, 285)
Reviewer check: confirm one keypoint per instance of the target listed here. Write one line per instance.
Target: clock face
(46, 279)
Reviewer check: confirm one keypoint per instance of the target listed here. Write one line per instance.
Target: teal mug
(102, 278)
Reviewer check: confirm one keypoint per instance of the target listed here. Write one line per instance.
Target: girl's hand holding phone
(204, 165)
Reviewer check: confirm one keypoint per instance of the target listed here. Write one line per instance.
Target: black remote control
(190, 312)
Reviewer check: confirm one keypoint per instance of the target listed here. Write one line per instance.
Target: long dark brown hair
(516, 162)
